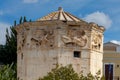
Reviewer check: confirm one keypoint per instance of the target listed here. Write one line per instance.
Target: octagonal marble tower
(58, 38)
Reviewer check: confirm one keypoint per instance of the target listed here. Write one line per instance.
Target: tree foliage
(67, 73)
(62, 73)
(20, 21)
(24, 19)
(8, 72)
(8, 52)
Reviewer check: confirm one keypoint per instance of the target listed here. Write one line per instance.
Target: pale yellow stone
(44, 43)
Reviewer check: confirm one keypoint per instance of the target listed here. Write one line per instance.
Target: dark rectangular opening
(77, 54)
(109, 71)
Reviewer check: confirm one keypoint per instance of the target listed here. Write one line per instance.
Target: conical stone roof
(60, 15)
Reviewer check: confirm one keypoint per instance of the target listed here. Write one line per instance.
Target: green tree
(67, 73)
(8, 52)
(30, 20)
(8, 72)
(24, 20)
(15, 23)
(11, 45)
(62, 73)
(20, 21)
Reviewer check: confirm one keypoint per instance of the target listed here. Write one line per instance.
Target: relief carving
(50, 38)
(43, 38)
(96, 41)
(76, 37)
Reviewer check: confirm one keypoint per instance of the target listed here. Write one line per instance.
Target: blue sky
(103, 12)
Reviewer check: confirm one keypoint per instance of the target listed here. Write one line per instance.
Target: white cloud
(3, 27)
(30, 1)
(100, 18)
(115, 41)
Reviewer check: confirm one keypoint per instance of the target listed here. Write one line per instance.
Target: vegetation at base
(8, 72)
(67, 73)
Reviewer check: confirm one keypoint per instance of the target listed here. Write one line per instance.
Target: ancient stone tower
(58, 38)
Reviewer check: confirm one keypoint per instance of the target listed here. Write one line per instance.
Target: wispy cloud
(100, 18)
(30, 1)
(3, 27)
(115, 41)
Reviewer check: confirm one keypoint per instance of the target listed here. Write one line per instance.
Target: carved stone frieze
(96, 41)
(75, 37)
(44, 38)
